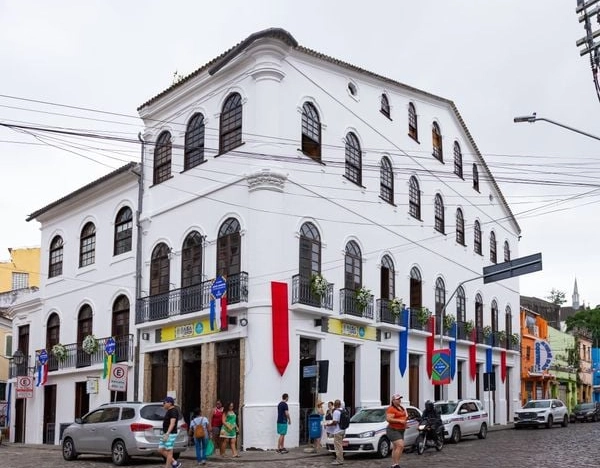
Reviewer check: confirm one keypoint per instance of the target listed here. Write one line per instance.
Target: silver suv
(542, 413)
(463, 418)
(121, 430)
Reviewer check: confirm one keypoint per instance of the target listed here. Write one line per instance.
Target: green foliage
(557, 297)
(589, 320)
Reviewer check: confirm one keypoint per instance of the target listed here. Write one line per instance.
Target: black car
(586, 412)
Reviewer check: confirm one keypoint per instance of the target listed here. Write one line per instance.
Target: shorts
(394, 434)
(168, 445)
(215, 431)
(282, 428)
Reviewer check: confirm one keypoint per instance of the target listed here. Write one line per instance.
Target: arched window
(412, 122)
(439, 223)
(493, 256)
(84, 328)
(123, 230)
(191, 260)
(414, 198)
(160, 267)
(385, 106)
(494, 318)
(460, 227)
(229, 248)
(162, 158)
(416, 285)
(386, 180)
(461, 305)
(508, 323)
(353, 159)
(440, 301)
(55, 260)
(310, 251)
(458, 164)
(87, 245)
(478, 314)
(475, 177)
(194, 142)
(353, 266)
(230, 128)
(477, 238)
(506, 251)
(52, 331)
(311, 131)
(436, 136)
(120, 328)
(387, 279)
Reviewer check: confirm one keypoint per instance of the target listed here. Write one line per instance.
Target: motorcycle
(429, 437)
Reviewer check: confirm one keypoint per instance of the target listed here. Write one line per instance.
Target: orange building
(536, 377)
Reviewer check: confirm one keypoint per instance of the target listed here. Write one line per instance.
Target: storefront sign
(364, 332)
(186, 330)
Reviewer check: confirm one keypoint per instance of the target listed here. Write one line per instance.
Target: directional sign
(512, 268)
(218, 287)
(118, 378)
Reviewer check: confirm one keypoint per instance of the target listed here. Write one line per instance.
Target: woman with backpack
(200, 429)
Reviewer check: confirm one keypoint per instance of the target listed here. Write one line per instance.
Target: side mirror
(78, 420)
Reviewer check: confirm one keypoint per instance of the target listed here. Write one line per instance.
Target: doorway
(82, 399)
(49, 426)
(385, 376)
(308, 386)
(192, 360)
(413, 379)
(159, 374)
(228, 373)
(20, 413)
(349, 377)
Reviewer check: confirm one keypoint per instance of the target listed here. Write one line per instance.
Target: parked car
(542, 413)
(586, 412)
(463, 418)
(121, 430)
(366, 432)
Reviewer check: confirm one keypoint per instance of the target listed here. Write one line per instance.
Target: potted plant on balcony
(423, 316)
(449, 320)
(502, 336)
(469, 326)
(318, 285)
(514, 339)
(487, 331)
(396, 306)
(90, 344)
(59, 351)
(363, 297)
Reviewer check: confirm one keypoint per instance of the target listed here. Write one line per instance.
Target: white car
(366, 433)
(542, 413)
(463, 418)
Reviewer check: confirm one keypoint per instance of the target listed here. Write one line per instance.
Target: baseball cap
(169, 400)
(396, 396)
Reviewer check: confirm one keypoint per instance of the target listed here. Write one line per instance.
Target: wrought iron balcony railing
(385, 313)
(189, 300)
(350, 306)
(302, 293)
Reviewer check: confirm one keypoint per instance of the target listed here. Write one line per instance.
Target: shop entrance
(308, 389)
(192, 360)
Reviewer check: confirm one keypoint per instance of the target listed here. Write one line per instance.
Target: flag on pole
(109, 351)
(218, 305)
(42, 368)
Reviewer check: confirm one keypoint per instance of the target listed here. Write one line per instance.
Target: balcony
(385, 314)
(302, 293)
(350, 306)
(189, 300)
(76, 357)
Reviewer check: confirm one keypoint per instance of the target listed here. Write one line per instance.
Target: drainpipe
(138, 271)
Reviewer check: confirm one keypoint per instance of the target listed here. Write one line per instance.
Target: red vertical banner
(280, 323)
(503, 365)
(473, 355)
(430, 343)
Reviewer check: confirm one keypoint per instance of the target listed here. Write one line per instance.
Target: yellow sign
(186, 330)
(338, 327)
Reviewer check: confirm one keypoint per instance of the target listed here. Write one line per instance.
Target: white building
(268, 165)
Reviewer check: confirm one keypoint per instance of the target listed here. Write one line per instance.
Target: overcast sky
(495, 59)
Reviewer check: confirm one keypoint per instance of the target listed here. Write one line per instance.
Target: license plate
(158, 432)
(345, 443)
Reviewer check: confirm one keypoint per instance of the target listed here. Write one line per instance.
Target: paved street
(576, 445)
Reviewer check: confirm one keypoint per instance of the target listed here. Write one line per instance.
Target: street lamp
(18, 357)
(534, 118)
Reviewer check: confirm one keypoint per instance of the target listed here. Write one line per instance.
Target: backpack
(199, 432)
(344, 418)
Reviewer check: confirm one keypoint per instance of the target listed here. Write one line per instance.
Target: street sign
(512, 268)
(218, 287)
(109, 347)
(118, 378)
(309, 371)
(24, 387)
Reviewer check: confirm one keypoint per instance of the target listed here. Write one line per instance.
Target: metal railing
(189, 300)
(302, 293)
(350, 306)
(385, 313)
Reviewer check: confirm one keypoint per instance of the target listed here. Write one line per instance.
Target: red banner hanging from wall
(503, 365)
(429, 344)
(280, 323)
(473, 355)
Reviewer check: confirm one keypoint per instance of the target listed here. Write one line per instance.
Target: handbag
(210, 448)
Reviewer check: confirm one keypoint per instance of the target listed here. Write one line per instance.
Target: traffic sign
(118, 378)
(43, 357)
(109, 347)
(512, 268)
(218, 287)
(24, 387)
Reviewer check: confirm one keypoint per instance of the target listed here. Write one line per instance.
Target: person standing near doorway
(216, 421)
(396, 417)
(283, 421)
(229, 431)
(167, 441)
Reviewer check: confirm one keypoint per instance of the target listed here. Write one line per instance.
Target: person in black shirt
(165, 446)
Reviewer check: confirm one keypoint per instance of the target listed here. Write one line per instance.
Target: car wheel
(482, 431)
(383, 447)
(420, 444)
(455, 437)
(549, 422)
(68, 449)
(120, 456)
(565, 421)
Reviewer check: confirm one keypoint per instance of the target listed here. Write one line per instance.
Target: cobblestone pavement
(576, 445)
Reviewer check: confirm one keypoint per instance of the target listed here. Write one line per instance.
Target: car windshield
(585, 406)
(445, 408)
(374, 415)
(537, 404)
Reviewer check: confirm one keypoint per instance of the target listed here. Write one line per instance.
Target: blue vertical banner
(403, 342)
(488, 360)
(452, 346)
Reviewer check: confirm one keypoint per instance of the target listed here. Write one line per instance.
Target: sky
(87, 66)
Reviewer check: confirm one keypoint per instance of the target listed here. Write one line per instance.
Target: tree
(588, 319)
(557, 297)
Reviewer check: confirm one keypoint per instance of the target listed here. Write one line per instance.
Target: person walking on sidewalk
(199, 430)
(229, 432)
(396, 417)
(283, 421)
(167, 441)
(338, 433)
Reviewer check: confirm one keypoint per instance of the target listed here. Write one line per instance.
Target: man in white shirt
(338, 433)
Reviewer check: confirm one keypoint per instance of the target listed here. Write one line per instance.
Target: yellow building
(22, 270)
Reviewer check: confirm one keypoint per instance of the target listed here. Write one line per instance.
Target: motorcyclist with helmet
(433, 419)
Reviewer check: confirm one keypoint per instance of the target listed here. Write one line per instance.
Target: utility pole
(590, 47)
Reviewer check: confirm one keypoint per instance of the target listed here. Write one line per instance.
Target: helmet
(429, 405)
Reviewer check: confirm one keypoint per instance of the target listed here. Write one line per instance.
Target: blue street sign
(110, 345)
(218, 287)
(43, 357)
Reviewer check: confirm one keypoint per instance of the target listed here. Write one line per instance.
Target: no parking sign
(118, 378)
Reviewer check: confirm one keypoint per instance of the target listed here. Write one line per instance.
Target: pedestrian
(216, 421)
(337, 432)
(283, 420)
(165, 446)
(321, 412)
(396, 416)
(200, 430)
(229, 431)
